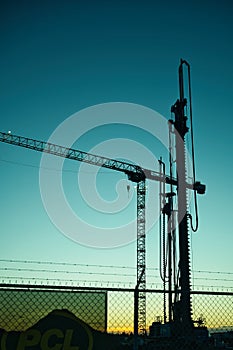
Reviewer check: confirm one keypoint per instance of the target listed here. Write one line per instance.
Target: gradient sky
(58, 57)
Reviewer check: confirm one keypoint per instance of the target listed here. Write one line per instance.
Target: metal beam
(141, 256)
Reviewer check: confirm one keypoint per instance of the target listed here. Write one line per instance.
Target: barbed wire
(36, 279)
(83, 282)
(215, 272)
(96, 273)
(103, 266)
(67, 264)
(64, 271)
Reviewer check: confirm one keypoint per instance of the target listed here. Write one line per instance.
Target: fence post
(136, 318)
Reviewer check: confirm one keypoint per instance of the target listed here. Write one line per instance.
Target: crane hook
(128, 189)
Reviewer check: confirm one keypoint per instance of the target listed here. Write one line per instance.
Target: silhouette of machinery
(180, 310)
(178, 276)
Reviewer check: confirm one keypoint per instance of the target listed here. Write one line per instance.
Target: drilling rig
(182, 308)
(179, 321)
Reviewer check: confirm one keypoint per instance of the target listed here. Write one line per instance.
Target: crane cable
(171, 161)
(194, 229)
(162, 225)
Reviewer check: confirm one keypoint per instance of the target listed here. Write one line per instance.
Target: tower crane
(139, 175)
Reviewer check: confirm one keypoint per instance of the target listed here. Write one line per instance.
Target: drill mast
(179, 311)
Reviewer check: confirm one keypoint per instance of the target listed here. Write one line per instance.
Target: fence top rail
(53, 288)
(31, 287)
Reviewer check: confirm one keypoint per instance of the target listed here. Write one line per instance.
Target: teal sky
(58, 57)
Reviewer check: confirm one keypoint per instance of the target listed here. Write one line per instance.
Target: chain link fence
(111, 310)
(22, 307)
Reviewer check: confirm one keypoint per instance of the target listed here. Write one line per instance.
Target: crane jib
(134, 172)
